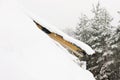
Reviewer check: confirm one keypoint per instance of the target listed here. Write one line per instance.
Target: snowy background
(26, 52)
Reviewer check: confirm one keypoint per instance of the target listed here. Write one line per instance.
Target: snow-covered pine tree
(96, 32)
(83, 30)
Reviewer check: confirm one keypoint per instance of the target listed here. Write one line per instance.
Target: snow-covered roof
(26, 53)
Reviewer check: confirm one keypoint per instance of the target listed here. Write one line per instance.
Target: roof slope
(26, 53)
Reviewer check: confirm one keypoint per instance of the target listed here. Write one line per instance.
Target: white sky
(65, 13)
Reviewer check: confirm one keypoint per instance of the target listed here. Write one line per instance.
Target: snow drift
(26, 53)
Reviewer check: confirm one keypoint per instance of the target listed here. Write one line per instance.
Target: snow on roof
(26, 53)
(50, 27)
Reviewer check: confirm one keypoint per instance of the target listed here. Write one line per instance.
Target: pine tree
(96, 32)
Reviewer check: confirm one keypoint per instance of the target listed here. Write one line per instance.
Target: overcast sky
(66, 13)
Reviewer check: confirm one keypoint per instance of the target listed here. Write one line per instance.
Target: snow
(26, 53)
(50, 27)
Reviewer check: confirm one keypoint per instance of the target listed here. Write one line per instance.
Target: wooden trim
(72, 47)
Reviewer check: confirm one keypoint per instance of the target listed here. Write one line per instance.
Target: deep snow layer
(26, 53)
